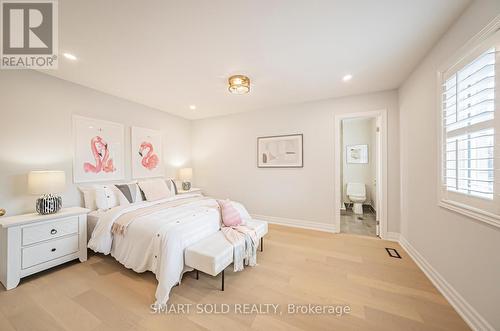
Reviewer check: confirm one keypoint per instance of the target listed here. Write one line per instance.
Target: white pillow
(89, 194)
(106, 197)
(88, 197)
(155, 189)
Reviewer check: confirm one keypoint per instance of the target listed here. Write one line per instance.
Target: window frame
(477, 208)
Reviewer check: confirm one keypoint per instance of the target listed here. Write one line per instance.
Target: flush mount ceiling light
(347, 78)
(192, 107)
(239, 84)
(70, 56)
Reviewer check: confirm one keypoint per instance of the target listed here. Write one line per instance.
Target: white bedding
(157, 242)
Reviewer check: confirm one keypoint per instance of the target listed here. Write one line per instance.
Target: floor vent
(393, 253)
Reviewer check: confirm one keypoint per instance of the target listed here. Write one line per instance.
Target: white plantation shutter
(471, 117)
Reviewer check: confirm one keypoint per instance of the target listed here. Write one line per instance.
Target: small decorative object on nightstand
(31, 243)
(47, 183)
(2, 212)
(186, 174)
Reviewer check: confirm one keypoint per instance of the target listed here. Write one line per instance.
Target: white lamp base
(48, 204)
(186, 186)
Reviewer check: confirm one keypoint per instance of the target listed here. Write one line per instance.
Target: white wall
(225, 152)
(36, 133)
(463, 251)
(359, 131)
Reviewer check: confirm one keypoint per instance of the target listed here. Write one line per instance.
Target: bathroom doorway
(360, 173)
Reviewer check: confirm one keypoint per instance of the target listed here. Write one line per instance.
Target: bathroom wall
(359, 131)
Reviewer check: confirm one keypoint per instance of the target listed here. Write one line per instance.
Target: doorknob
(2, 212)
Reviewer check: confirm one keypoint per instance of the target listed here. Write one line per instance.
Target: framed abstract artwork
(280, 151)
(147, 158)
(98, 150)
(357, 154)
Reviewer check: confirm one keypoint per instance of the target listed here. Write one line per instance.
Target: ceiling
(172, 54)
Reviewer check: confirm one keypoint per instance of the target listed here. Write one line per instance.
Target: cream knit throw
(244, 240)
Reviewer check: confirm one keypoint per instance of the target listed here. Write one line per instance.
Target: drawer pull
(53, 249)
(53, 231)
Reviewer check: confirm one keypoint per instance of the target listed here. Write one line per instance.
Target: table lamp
(186, 174)
(47, 184)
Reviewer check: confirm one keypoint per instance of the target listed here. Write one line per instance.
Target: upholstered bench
(215, 253)
(211, 255)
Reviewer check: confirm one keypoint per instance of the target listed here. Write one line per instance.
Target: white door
(378, 175)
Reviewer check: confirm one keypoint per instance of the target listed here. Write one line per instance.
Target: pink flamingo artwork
(100, 151)
(150, 160)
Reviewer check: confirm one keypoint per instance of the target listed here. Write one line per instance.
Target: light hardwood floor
(297, 266)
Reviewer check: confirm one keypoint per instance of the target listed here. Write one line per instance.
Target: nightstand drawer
(38, 233)
(47, 251)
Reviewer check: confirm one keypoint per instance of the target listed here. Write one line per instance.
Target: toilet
(356, 192)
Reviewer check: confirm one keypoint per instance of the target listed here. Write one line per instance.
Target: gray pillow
(129, 191)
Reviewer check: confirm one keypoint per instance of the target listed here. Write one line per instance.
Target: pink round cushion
(230, 216)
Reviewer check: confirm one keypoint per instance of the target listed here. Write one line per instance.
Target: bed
(155, 240)
(92, 219)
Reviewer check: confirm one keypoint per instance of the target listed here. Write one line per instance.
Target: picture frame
(357, 154)
(282, 151)
(98, 150)
(146, 153)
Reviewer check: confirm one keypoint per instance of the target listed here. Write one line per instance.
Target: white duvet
(156, 242)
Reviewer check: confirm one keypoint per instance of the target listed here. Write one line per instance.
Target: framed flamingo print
(147, 160)
(98, 151)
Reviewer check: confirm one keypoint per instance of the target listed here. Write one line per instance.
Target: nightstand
(192, 190)
(31, 243)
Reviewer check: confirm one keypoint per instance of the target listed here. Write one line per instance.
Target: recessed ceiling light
(70, 56)
(192, 107)
(347, 78)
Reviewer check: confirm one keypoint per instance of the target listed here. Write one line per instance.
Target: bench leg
(222, 280)
(262, 244)
(197, 275)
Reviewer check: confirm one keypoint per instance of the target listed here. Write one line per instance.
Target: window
(470, 118)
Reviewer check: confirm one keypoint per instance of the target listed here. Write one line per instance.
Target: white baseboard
(464, 309)
(297, 223)
(391, 236)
